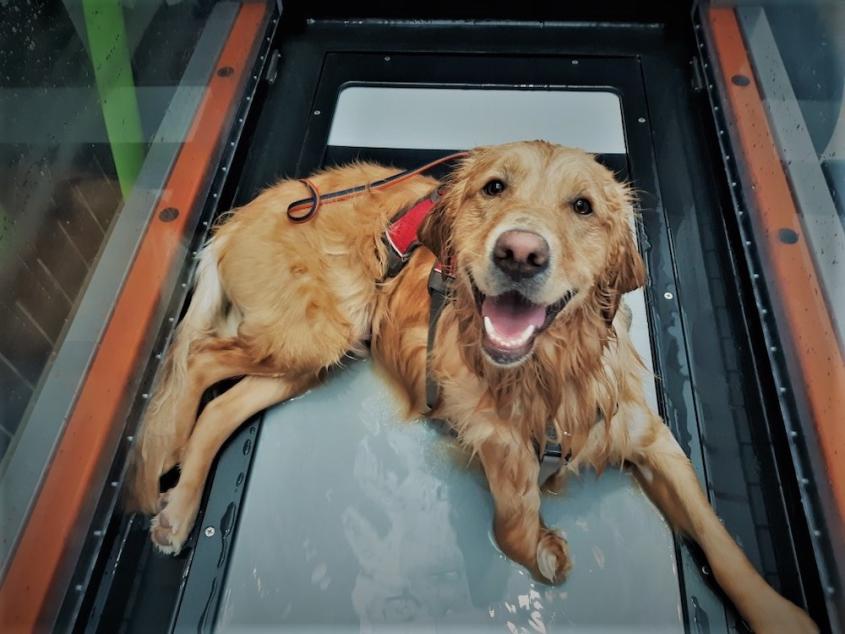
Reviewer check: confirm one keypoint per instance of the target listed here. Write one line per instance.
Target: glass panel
(97, 98)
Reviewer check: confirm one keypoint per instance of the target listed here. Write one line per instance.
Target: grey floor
(354, 520)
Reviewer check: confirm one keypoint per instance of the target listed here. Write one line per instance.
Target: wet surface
(358, 521)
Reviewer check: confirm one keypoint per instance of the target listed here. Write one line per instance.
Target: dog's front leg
(668, 477)
(512, 471)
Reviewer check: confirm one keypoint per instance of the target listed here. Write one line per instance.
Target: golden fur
(282, 303)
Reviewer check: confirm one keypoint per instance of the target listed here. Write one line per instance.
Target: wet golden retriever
(530, 344)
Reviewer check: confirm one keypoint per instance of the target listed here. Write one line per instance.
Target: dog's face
(534, 229)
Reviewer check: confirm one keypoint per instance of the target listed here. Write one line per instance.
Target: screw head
(209, 531)
(168, 214)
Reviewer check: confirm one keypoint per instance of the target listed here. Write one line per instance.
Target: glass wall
(98, 99)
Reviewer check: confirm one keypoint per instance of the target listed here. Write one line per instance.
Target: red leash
(305, 209)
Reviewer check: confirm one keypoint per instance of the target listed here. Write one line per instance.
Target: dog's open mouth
(512, 322)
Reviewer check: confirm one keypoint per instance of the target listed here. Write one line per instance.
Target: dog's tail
(162, 431)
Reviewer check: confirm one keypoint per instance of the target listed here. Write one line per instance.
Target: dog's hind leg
(220, 418)
(669, 479)
(168, 425)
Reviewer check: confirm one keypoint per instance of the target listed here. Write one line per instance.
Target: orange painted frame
(94, 421)
(806, 316)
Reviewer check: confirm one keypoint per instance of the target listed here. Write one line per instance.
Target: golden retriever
(531, 343)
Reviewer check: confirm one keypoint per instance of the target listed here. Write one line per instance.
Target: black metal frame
(699, 291)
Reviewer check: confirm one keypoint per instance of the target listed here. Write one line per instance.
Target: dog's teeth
(526, 334)
(507, 342)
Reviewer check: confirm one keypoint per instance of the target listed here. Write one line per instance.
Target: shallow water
(353, 520)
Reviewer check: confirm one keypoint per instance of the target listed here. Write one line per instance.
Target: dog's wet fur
(531, 344)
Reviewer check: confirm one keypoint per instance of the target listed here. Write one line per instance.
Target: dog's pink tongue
(510, 316)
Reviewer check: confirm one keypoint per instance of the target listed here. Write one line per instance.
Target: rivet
(668, 295)
(145, 395)
(641, 119)
(168, 214)
(98, 533)
(787, 236)
(209, 531)
(387, 58)
(782, 390)
(574, 61)
(78, 587)
(130, 438)
(317, 112)
(793, 434)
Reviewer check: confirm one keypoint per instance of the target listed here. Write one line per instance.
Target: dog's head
(534, 230)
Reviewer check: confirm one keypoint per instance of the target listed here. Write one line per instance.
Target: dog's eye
(494, 187)
(582, 206)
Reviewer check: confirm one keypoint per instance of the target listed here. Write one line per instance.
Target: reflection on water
(414, 571)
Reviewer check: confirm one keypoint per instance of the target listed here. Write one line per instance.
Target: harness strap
(438, 290)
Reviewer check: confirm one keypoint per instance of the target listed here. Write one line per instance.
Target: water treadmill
(330, 513)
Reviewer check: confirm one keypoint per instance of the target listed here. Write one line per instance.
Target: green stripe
(108, 47)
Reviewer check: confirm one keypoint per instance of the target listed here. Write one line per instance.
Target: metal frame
(792, 430)
(91, 602)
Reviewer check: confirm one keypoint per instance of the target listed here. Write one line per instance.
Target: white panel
(458, 118)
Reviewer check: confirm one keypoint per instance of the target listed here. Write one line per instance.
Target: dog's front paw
(552, 557)
(169, 530)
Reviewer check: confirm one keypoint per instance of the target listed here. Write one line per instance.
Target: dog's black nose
(521, 254)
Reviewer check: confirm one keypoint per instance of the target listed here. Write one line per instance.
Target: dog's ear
(436, 229)
(625, 272)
